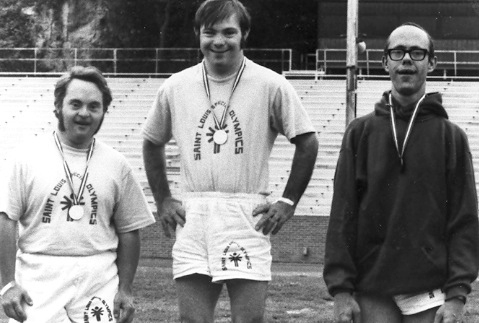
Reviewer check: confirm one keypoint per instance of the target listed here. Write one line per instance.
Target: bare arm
(15, 297)
(128, 255)
(170, 211)
(8, 229)
(154, 159)
(304, 160)
(302, 168)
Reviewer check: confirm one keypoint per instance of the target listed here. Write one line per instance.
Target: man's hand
(450, 312)
(171, 213)
(123, 307)
(13, 302)
(274, 216)
(346, 309)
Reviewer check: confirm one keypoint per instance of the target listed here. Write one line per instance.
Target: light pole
(351, 60)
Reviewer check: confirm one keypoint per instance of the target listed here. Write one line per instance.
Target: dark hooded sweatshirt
(403, 229)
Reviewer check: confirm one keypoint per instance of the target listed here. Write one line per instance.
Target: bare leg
(248, 300)
(197, 298)
(422, 317)
(378, 309)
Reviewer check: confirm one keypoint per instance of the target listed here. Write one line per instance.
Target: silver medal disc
(76, 212)
(220, 137)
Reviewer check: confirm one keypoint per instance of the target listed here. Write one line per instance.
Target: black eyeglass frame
(409, 51)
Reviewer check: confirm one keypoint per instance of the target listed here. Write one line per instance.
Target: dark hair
(413, 24)
(213, 11)
(89, 74)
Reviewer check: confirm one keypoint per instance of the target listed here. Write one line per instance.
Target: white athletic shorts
(68, 289)
(415, 303)
(219, 239)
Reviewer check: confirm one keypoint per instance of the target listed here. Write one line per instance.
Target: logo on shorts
(235, 255)
(97, 310)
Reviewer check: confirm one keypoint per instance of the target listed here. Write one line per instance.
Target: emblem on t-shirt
(235, 255)
(61, 196)
(97, 310)
(211, 134)
(67, 203)
(234, 137)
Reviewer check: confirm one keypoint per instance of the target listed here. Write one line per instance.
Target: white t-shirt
(35, 191)
(263, 105)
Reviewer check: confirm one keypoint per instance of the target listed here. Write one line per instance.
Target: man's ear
(57, 109)
(246, 34)
(244, 37)
(432, 63)
(385, 63)
(197, 36)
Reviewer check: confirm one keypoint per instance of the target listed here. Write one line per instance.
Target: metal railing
(124, 61)
(165, 61)
(369, 62)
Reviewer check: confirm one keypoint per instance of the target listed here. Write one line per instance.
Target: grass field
(296, 294)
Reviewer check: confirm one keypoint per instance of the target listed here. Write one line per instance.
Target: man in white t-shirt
(78, 209)
(224, 115)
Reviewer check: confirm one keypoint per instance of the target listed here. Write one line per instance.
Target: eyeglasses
(416, 54)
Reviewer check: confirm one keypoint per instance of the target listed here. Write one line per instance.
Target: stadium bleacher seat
(27, 105)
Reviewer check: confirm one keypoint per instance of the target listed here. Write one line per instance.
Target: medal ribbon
(68, 173)
(409, 128)
(220, 124)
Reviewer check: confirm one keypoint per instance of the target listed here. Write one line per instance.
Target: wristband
(285, 200)
(7, 287)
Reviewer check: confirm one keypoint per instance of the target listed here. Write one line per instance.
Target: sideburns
(61, 123)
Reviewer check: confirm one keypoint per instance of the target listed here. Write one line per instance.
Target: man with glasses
(402, 242)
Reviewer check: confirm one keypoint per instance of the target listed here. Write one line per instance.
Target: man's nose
(83, 111)
(219, 40)
(407, 57)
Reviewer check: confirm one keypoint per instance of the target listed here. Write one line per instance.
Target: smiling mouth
(218, 52)
(82, 124)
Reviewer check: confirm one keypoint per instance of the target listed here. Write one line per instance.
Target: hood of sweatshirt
(430, 106)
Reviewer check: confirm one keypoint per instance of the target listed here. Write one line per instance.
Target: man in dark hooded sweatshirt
(402, 242)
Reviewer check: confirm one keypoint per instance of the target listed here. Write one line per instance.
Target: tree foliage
(167, 23)
(15, 25)
(283, 24)
(142, 23)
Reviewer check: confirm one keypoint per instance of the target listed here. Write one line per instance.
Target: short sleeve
(12, 188)
(288, 116)
(157, 127)
(132, 211)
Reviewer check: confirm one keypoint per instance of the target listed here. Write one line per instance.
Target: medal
(220, 137)
(76, 212)
(409, 128)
